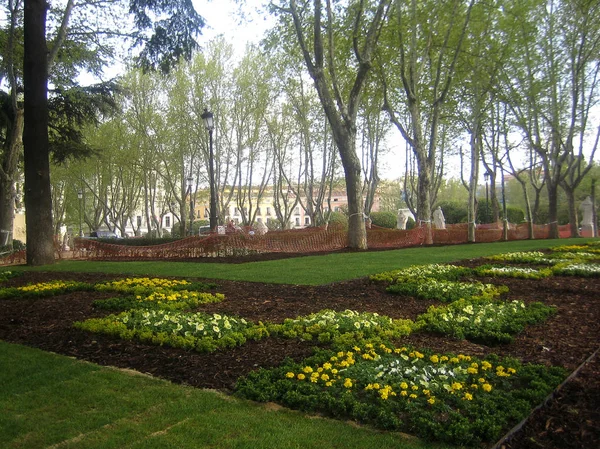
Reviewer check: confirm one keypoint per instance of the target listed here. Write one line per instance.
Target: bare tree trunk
(38, 199)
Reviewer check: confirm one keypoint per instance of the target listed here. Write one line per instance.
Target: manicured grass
(312, 270)
(54, 401)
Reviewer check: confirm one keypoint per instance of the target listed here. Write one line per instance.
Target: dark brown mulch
(570, 420)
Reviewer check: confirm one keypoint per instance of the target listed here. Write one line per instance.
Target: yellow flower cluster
(145, 282)
(48, 286)
(431, 373)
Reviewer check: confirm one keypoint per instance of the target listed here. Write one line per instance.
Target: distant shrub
(454, 212)
(384, 219)
(339, 220)
(515, 215)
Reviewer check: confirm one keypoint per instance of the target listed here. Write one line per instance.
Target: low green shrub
(484, 321)
(445, 291)
(440, 272)
(44, 289)
(198, 331)
(512, 272)
(343, 329)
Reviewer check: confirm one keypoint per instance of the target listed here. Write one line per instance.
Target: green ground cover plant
(445, 291)
(452, 398)
(578, 269)
(513, 272)
(163, 299)
(342, 328)
(198, 331)
(44, 289)
(146, 285)
(5, 275)
(482, 320)
(441, 272)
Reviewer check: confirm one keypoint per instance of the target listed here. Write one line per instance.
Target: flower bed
(146, 285)
(347, 327)
(458, 399)
(513, 272)
(484, 321)
(43, 289)
(165, 300)
(199, 331)
(445, 291)
(432, 271)
(578, 269)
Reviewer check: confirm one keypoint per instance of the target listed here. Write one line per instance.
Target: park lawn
(48, 400)
(310, 270)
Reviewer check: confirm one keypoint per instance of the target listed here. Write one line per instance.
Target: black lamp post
(190, 181)
(80, 197)
(209, 124)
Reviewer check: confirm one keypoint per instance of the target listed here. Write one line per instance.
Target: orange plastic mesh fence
(308, 240)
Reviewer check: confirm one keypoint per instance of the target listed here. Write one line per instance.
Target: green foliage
(384, 219)
(577, 269)
(342, 328)
(515, 215)
(338, 220)
(441, 272)
(482, 320)
(512, 272)
(536, 257)
(198, 331)
(4, 275)
(160, 300)
(457, 399)
(454, 212)
(44, 289)
(445, 291)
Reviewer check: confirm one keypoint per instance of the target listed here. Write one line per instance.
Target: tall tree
(171, 38)
(339, 70)
(428, 38)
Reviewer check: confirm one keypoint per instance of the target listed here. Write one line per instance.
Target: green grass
(312, 270)
(54, 401)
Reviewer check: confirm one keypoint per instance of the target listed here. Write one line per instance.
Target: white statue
(261, 228)
(402, 218)
(587, 207)
(439, 222)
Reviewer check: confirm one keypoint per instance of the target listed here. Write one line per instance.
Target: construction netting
(300, 241)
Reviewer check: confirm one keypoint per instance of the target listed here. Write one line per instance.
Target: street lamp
(80, 197)
(209, 124)
(190, 181)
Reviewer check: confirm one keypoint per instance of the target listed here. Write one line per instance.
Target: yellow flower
(472, 370)
(431, 400)
(456, 386)
(290, 375)
(443, 358)
(434, 359)
(485, 365)
(468, 397)
(307, 369)
(414, 387)
(301, 376)
(404, 385)
(334, 371)
(413, 396)
(328, 384)
(348, 383)
(327, 365)
(324, 377)
(376, 386)
(511, 371)
(487, 387)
